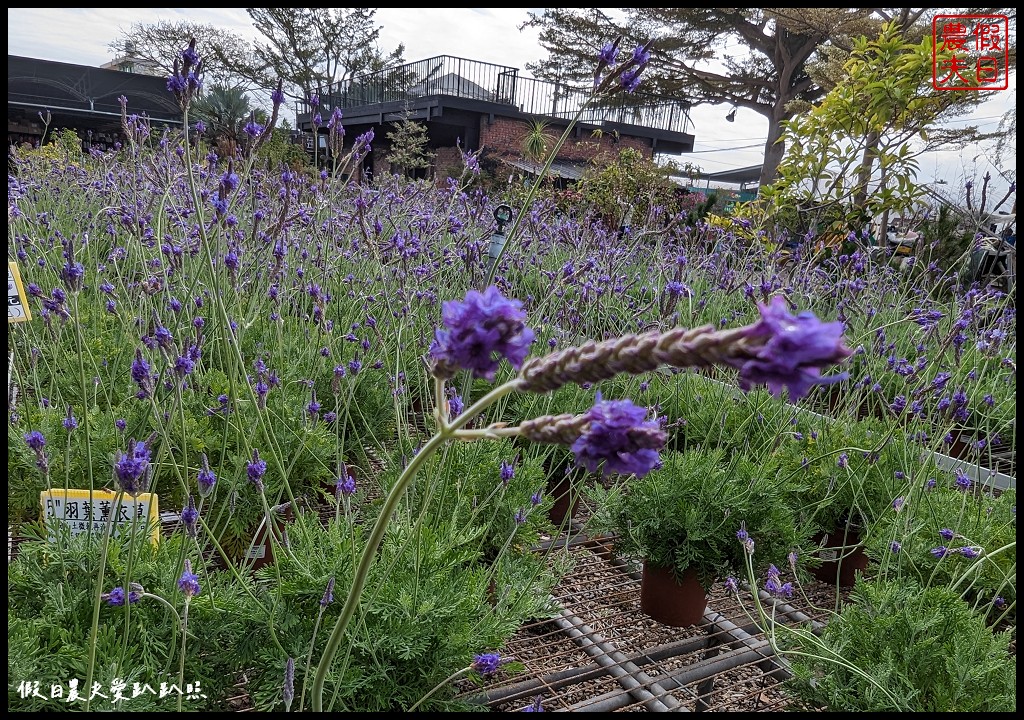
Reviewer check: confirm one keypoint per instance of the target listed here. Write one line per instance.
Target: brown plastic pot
(566, 502)
(679, 603)
(841, 557)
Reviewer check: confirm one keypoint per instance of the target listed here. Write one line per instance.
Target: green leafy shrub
(900, 647)
(430, 606)
(687, 513)
(51, 594)
(977, 530)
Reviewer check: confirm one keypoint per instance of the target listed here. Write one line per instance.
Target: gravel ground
(604, 597)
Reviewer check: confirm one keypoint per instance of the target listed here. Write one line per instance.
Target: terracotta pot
(566, 503)
(262, 552)
(841, 557)
(679, 604)
(330, 487)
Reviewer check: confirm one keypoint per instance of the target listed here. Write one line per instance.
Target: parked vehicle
(994, 259)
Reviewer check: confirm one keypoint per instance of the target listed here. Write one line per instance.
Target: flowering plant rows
(333, 376)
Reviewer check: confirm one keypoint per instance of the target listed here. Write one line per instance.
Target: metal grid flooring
(602, 654)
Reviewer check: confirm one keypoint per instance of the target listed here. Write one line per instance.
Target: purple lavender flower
(117, 597)
(188, 583)
(253, 129)
(619, 439)
(520, 516)
(256, 470)
(313, 408)
(946, 534)
(630, 80)
(963, 482)
(774, 585)
(121, 424)
(455, 406)
(345, 486)
(190, 517)
(131, 467)
(140, 373)
(732, 585)
(898, 503)
(72, 274)
(642, 55)
(506, 472)
(35, 440)
(968, 552)
(609, 54)
(184, 366)
(535, 706)
(487, 663)
(940, 551)
(843, 460)
(206, 478)
(480, 330)
(895, 547)
(795, 351)
(328, 596)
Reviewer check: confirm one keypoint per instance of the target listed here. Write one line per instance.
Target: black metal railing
(500, 84)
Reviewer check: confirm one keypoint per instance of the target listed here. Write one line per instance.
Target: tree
(224, 110)
(409, 151)
(853, 157)
(312, 48)
(754, 58)
(159, 43)
(766, 77)
(307, 48)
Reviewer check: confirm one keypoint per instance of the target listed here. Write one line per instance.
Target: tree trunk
(774, 148)
(864, 174)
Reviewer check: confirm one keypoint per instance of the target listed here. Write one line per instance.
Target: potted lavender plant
(682, 521)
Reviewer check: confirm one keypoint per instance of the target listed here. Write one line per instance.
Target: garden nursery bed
(286, 436)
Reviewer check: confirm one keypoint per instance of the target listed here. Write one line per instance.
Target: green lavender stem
(380, 528)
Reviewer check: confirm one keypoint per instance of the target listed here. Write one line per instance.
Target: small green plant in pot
(682, 520)
(843, 478)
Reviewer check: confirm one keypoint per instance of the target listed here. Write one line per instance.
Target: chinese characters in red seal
(970, 52)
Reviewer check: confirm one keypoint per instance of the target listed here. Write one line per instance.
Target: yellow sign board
(82, 511)
(17, 302)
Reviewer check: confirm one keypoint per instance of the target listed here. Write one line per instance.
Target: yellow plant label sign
(17, 302)
(82, 511)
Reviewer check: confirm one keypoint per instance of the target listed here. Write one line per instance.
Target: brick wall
(447, 162)
(504, 137)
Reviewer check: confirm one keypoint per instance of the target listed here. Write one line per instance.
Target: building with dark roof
(82, 98)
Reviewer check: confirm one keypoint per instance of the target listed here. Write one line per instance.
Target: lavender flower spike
(131, 468)
(487, 663)
(794, 350)
(288, 690)
(613, 434)
(780, 350)
(188, 583)
(480, 330)
(620, 439)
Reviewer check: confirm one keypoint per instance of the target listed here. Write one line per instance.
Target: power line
(728, 149)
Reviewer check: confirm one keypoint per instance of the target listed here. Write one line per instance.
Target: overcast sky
(82, 36)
